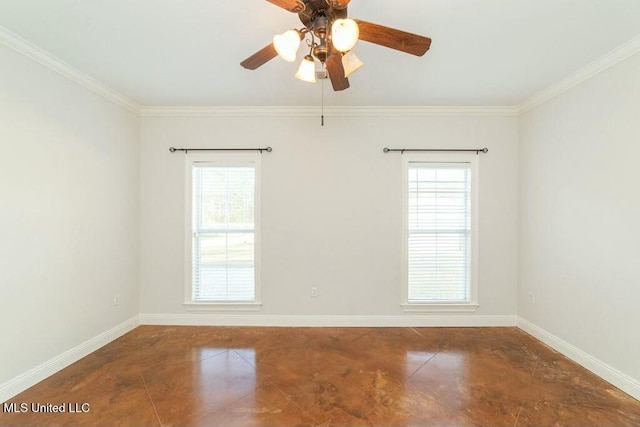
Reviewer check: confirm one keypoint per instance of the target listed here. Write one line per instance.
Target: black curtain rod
(186, 150)
(469, 150)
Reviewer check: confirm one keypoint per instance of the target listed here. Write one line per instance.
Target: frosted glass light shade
(351, 63)
(307, 70)
(344, 34)
(287, 44)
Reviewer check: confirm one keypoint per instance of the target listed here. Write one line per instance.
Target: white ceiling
(187, 52)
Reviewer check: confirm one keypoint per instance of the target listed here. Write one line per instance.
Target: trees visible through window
(223, 232)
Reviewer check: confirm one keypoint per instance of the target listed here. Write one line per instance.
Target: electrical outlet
(532, 298)
(116, 299)
(314, 292)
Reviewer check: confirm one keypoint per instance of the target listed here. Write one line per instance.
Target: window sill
(440, 308)
(223, 306)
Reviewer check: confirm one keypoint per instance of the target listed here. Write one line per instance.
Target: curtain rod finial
(385, 150)
(172, 149)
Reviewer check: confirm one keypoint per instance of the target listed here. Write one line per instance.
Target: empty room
(319, 212)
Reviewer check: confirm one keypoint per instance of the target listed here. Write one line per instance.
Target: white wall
(579, 217)
(331, 208)
(69, 203)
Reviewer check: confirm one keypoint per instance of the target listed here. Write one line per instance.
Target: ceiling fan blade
(336, 71)
(260, 58)
(294, 6)
(394, 39)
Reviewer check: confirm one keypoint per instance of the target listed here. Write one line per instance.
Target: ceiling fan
(332, 36)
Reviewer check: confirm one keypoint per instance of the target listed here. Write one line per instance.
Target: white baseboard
(439, 320)
(619, 379)
(22, 382)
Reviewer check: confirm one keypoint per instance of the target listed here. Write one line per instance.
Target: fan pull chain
(322, 105)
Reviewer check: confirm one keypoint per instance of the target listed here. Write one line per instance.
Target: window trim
(444, 306)
(220, 159)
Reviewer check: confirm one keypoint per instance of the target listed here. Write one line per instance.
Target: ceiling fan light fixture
(330, 37)
(351, 63)
(287, 44)
(307, 70)
(344, 34)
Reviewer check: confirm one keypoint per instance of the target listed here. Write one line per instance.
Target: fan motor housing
(317, 8)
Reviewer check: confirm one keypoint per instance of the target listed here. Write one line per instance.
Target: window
(440, 232)
(222, 232)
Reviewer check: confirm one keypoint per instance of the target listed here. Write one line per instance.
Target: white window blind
(439, 235)
(223, 230)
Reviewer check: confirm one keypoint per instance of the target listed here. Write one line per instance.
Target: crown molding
(331, 111)
(31, 51)
(39, 55)
(610, 59)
